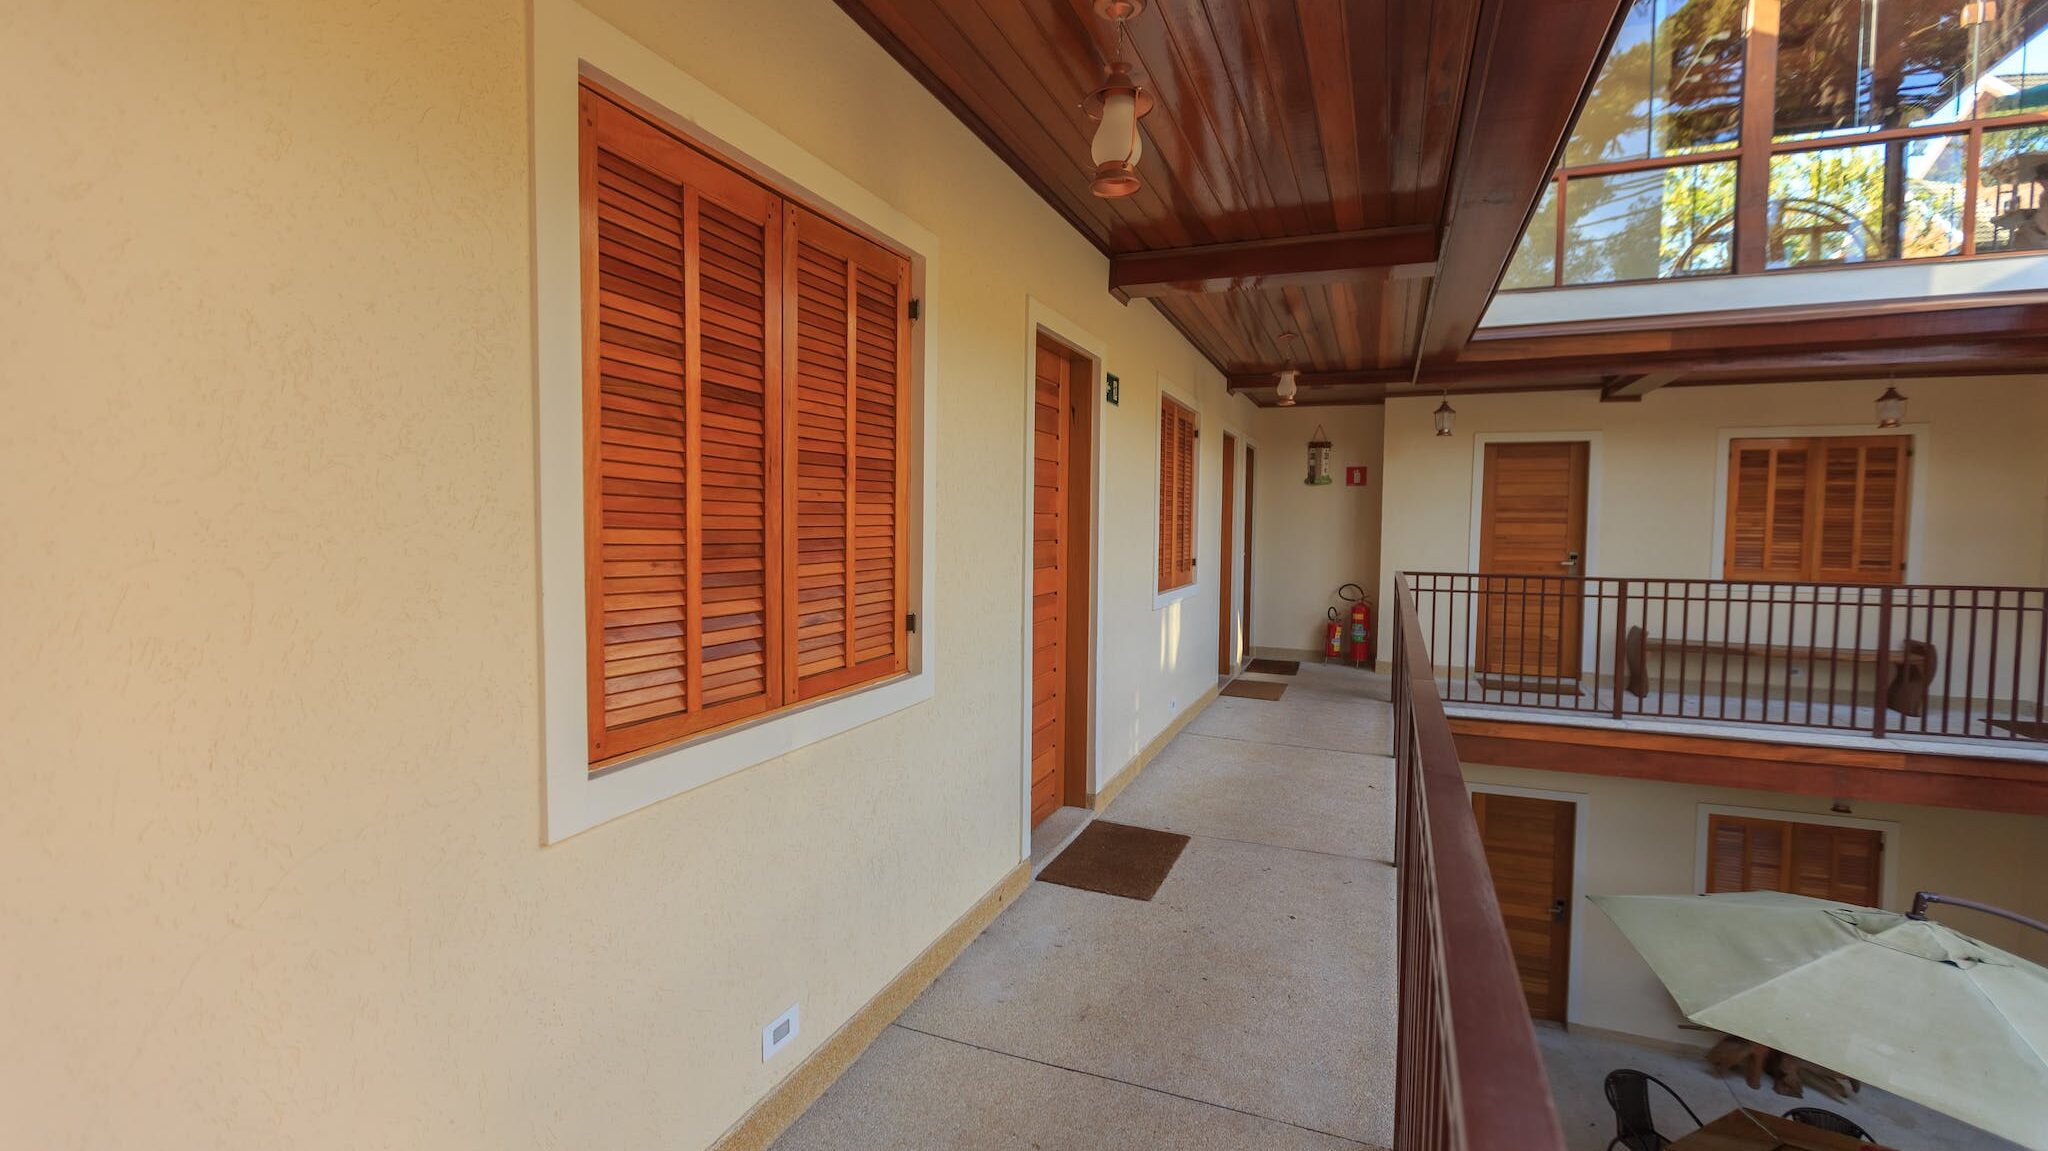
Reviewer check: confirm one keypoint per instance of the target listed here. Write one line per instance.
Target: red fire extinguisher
(1333, 638)
(1361, 623)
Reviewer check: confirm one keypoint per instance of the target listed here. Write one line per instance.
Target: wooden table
(1745, 1130)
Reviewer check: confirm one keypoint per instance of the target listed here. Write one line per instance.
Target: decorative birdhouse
(1318, 459)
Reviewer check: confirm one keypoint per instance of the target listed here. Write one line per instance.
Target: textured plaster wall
(1642, 837)
(1312, 540)
(1984, 472)
(270, 872)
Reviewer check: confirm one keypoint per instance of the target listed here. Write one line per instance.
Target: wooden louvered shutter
(1819, 860)
(1176, 495)
(1860, 528)
(1767, 510)
(1839, 863)
(681, 277)
(848, 344)
(1745, 854)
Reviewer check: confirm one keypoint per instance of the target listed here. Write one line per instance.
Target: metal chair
(1628, 1092)
(1828, 1121)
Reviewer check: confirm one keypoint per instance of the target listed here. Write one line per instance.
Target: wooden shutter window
(1819, 860)
(1767, 509)
(1177, 440)
(1861, 525)
(847, 351)
(745, 416)
(1825, 509)
(680, 409)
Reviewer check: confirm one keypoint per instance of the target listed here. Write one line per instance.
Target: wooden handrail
(1470, 1077)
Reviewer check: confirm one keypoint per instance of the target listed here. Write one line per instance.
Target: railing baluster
(1884, 658)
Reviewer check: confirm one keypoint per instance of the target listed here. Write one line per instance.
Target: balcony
(1917, 693)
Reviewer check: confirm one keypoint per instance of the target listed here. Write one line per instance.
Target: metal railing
(1470, 1077)
(1939, 661)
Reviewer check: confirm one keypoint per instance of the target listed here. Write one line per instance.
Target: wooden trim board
(1101, 800)
(1903, 776)
(786, 1102)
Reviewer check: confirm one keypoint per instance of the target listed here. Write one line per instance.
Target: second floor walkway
(1249, 1004)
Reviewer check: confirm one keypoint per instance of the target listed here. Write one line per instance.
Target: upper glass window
(1899, 130)
(1672, 84)
(1868, 65)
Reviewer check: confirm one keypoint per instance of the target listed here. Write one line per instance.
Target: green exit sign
(1113, 391)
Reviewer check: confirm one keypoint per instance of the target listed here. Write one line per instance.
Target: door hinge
(910, 622)
(916, 308)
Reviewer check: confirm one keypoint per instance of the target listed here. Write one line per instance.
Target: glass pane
(1650, 225)
(2011, 214)
(1535, 262)
(1867, 65)
(1671, 85)
(1863, 202)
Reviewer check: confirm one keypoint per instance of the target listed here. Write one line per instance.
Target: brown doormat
(1116, 859)
(1254, 689)
(2024, 728)
(1274, 666)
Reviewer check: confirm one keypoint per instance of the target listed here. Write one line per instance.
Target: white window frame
(1185, 398)
(568, 44)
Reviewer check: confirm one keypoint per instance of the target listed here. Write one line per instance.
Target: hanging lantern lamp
(1443, 417)
(1288, 383)
(1117, 106)
(1891, 408)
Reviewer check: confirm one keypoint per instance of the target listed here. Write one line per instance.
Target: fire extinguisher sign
(1354, 476)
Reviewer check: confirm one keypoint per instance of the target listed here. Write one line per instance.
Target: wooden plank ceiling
(1299, 162)
(1357, 172)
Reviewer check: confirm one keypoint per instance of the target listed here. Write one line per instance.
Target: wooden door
(1249, 472)
(1052, 546)
(1532, 523)
(1529, 852)
(1226, 637)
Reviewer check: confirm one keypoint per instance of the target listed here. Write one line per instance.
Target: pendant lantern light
(1289, 375)
(1443, 416)
(1891, 408)
(1117, 106)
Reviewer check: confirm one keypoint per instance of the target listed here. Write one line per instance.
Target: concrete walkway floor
(1249, 1006)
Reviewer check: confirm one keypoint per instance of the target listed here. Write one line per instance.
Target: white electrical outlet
(777, 1035)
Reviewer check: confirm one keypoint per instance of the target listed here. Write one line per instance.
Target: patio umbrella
(1905, 1004)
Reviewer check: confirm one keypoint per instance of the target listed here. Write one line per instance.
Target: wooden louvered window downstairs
(1825, 509)
(745, 422)
(1177, 435)
(1819, 860)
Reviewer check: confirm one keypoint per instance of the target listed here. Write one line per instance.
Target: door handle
(1570, 563)
(1557, 912)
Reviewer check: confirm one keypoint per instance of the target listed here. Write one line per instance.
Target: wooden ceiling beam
(1533, 64)
(1391, 253)
(1631, 389)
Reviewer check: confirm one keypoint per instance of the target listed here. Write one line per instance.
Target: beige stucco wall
(1643, 837)
(1982, 473)
(1310, 540)
(270, 864)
